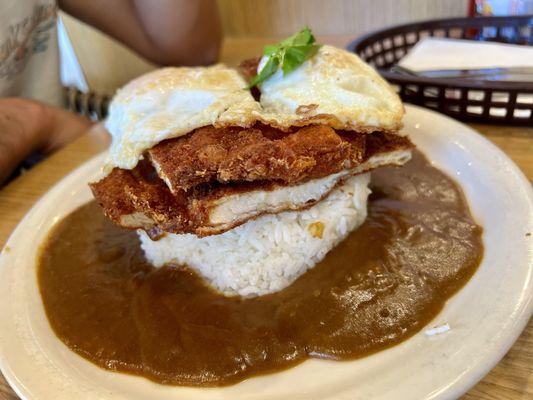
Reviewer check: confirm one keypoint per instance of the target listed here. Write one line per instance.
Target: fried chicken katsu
(204, 166)
(260, 153)
(227, 176)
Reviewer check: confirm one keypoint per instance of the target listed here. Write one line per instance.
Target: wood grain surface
(511, 379)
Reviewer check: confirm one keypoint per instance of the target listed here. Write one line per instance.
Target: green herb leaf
(288, 54)
(305, 36)
(269, 69)
(270, 49)
(295, 56)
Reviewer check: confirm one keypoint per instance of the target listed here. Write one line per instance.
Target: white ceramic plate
(485, 317)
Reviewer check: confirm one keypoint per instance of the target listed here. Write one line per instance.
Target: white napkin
(442, 53)
(431, 54)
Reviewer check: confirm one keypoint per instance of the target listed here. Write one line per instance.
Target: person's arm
(167, 32)
(27, 126)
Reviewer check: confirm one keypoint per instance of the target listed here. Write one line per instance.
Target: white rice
(266, 254)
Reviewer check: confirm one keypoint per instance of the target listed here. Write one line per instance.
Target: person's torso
(29, 55)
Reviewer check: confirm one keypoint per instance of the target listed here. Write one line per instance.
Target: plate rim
(459, 387)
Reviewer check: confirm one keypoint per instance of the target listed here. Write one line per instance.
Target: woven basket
(89, 104)
(465, 99)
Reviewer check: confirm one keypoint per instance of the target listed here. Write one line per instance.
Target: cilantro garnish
(289, 54)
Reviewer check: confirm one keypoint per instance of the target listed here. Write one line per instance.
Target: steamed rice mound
(267, 254)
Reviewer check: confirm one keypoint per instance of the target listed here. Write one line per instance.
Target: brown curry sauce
(380, 286)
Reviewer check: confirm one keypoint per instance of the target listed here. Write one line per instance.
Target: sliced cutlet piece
(110, 192)
(261, 153)
(139, 199)
(214, 208)
(383, 142)
(385, 149)
(193, 159)
(151, 196)
(224, 206)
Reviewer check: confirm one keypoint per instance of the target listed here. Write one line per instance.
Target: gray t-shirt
(29, 54)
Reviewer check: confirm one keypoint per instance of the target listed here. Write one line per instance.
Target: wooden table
(511, 379)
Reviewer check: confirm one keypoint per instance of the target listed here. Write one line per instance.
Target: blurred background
(91, 61)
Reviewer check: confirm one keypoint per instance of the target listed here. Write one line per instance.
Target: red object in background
(499, 7)
(472, 8)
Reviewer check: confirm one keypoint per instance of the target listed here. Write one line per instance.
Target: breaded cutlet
(260, 153)
(140, 196)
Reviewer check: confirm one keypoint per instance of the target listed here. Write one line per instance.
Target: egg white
(334, 87)
(171, 102)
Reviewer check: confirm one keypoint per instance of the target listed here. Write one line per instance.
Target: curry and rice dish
(240, 232)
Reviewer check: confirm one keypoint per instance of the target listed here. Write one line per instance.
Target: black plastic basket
(469, 100)
(89, 104)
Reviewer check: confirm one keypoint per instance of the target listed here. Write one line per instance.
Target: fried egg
(171, 102)
(336, 88)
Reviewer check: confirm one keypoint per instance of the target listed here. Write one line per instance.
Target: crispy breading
(260, 153)
(126, 193)
(383, 142)
(187, 212)
(153, 198)
(111, 194)
(140, 192)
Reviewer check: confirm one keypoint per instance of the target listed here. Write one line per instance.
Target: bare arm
(27, 126)
(167, 32)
